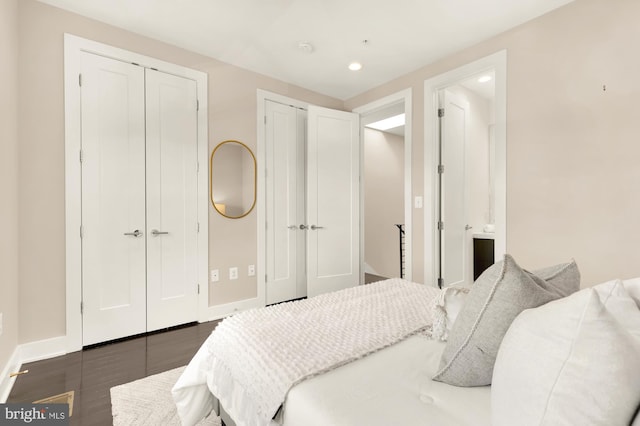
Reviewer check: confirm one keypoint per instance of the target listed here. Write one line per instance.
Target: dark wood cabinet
(483, 255)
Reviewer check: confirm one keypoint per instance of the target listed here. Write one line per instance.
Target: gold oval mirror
(232, 179)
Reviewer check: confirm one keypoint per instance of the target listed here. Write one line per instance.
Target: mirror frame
(255, 179)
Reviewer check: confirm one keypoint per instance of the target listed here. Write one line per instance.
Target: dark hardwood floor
(92, 372)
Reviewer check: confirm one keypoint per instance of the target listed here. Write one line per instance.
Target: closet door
(172, 226)
(113, 199)
(333, 200)
(285, 203)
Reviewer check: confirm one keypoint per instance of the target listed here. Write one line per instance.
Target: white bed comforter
(254, 358)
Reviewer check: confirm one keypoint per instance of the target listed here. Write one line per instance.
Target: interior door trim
(73, 46)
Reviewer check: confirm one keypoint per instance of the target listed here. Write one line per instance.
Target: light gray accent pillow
(496, 298)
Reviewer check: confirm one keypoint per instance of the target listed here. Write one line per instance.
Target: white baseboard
(6, 383)
(43, 349)
(29, 352)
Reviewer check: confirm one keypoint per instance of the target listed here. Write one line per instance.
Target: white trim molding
(405, 98)
(29, 352)
(73, 47)
(498, 63)
(6, 382)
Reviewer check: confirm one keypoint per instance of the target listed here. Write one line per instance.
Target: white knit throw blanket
(265, 352)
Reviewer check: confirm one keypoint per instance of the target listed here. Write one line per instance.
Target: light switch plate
(418, 202)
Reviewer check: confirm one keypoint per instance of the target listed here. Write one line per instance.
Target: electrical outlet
(233, 273)
(215, 275)
(251, 271)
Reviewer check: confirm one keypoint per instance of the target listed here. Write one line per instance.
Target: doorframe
(497, 62)
(73, 48)
(405, 97)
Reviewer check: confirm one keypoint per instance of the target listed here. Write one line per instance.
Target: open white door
(333, 200)
(113, 199)
(172, 218)
(285, 202)
(453, 206)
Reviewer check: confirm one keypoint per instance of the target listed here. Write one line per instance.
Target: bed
(510, 357)
(380, 377)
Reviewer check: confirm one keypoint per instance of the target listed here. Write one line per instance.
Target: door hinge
(440, 169)
(440, 112)
(198, 288)
(197, 105)
(440, 282)
(81, 156)
(81, 231)
(198, 167)
(198, 227)
(440, 225)
(265, 119)
(80, 80)
(81, 308)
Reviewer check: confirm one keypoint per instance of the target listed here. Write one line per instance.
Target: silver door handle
(135, 233)
(155, 232)
(313, 227)
(467, 227)
(292, 227)
(303, 227)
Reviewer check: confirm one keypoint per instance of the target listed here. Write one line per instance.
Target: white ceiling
(263, 35)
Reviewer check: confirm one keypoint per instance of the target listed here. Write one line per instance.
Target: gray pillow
(496, 298)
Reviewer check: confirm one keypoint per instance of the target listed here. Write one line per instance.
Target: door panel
(171, 114)
(333, 200)
(113, 199)
(285, 195)
(454, 253)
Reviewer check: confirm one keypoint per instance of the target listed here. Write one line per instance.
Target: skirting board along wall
(29, 352)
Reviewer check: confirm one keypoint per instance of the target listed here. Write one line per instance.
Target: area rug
(148, 401)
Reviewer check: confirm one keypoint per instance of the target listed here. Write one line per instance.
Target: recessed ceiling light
(355, 66)
(484, 79)
(388, 123)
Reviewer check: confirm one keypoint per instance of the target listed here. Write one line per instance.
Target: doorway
(465, 168)
(387, 204)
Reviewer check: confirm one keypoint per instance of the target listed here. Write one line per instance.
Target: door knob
(155, 232)
(313, 227)
(292, 227)
(135, 233)
(303, 227)
(467, 227)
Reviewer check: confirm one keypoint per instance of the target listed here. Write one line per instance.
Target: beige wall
(573, 174)
(573, 185)
(383, 200)
(8, 178)
(232, 115)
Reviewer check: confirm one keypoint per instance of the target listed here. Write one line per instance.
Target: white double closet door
(312, 201)
(139, 186)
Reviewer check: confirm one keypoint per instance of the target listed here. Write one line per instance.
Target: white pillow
(446, 308)
(573, 361)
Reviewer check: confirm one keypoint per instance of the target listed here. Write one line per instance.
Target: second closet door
(312, 201)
